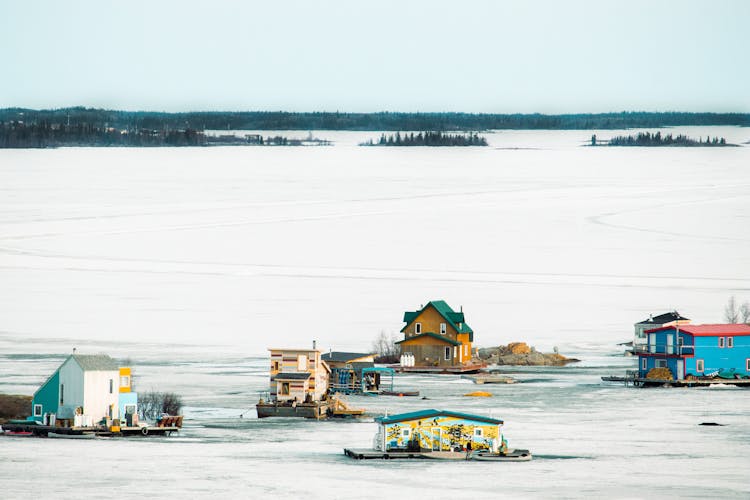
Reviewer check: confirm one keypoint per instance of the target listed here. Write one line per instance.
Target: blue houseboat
(697, 351)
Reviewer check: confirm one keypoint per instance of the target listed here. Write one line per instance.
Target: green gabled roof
(447, 312)
(425, 414)
(433, 335)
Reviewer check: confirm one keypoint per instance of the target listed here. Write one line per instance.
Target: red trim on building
(707, 330)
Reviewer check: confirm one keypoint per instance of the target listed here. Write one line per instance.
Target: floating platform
(695, 382)
(83, 432)
(491, 378)
(485, 456)
(440, 369)
(317, 410)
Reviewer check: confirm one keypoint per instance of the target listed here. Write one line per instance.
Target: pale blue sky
(475, 56)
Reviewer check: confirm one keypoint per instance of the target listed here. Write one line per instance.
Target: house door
(436, 438)
(680, 369)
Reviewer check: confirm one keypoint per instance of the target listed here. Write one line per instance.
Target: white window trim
(747, 364)
(466, 349)
(447, 354)
(38, 410)
(730, 342)
(658, 363)
(478, 432)
(443, 329)
(405, 432)
(302, 362)
(125, 381)
(417, 328)
(700, 365)
(721, 342)
(644, 363)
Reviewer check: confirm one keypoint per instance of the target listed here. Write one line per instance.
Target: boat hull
(510, 456)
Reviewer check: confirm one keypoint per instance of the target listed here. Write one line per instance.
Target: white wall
(97, 398)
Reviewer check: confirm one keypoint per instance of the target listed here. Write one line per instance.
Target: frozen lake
(191, 262)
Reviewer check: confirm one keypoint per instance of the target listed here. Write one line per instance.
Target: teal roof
(424, 414)
(447, 312)
(445, 339)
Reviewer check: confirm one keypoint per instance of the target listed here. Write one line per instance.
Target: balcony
(666, 349)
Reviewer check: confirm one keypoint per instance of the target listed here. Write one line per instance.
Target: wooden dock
(440, 369)
(44, 430)
(365, 454)
(693, 382)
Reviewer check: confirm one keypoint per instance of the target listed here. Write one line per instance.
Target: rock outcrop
(519, 353)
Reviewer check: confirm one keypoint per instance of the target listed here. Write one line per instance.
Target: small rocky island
(520, 354)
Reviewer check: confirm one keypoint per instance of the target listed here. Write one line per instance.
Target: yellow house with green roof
(437, 336)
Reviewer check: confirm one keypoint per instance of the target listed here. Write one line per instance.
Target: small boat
(87, 435)
(508, 456)
(399, 393)
(479, 394)
(22, 434)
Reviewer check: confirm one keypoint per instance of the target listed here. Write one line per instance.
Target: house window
(62, 394)
(478, 432)
(644, 363)
(730, 342)
(747, 365)
(466, 349)
(285, 388)
(442, 329)
(699, 365)
(37, 410)
(405, 432)
(111, 385)
(417, 328)
(455, 351)
(301, 362)
(721, 341)
(275, 366)
(447, 353)
(125, 381)
(661, 363)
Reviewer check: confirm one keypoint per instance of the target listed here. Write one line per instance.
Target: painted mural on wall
(443, 433)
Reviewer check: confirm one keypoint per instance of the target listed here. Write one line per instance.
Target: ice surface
(191, 262)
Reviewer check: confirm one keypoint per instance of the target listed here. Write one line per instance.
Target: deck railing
(679, 350)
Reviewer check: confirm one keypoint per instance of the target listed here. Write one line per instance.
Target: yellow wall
(126, 372)
(454, 432)
(431, 320)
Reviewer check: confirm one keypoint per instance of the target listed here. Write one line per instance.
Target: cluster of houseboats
(91, 395)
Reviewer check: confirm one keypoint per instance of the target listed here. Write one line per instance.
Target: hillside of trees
(655, 140)
(428, 139)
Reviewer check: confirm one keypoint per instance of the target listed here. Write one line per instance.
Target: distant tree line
(428, 139)
(657, 139)
(17, 134)
(280, 120)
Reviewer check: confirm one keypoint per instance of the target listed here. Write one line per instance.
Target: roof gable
(456, 319)
(708, 330)
(663, 318)
(95, 362)
(343, 357)
(431, 413)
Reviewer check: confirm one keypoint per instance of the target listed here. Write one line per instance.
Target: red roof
(708, 330)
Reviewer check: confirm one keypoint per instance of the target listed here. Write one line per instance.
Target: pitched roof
(708, 330)
(292, 376)
(425, 414)
(662, 318)
(95, 362)
(443, 338)
(456, 319)
(338, 356)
